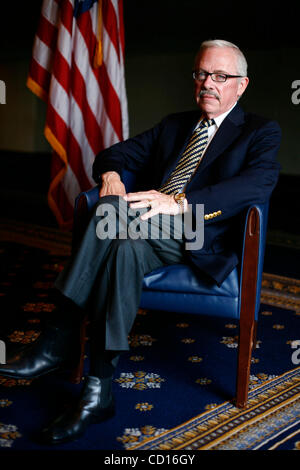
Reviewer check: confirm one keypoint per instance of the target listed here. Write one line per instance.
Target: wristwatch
(179, 198)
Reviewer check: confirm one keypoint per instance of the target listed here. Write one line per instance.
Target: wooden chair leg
(247, 334)
(77, 372)
(244, 363)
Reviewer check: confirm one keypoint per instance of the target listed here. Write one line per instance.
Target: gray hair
(241, 60)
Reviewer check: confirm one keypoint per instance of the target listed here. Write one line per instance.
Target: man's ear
(242, 86)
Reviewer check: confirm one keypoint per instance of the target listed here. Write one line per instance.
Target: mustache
(208, 92)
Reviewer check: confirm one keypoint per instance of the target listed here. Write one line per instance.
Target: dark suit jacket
(239, 168)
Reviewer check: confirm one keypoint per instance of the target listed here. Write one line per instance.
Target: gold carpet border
(224, 441)
(281, 291)
(251, 437)
(245, 412)
(265, 399)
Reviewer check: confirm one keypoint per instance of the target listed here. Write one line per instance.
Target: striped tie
(189, 160)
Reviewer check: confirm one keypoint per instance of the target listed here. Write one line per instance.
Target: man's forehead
(217, 57)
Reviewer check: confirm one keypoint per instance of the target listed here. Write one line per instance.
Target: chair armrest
(84, 203)
(86, 200)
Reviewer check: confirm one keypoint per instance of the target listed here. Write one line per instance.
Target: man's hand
(158, 202)
(112, 185)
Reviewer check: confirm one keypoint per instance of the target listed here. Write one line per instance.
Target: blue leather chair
(176, 288)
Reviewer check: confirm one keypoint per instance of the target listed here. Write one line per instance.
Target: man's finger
(139, 196)
(140, 204)
(149, 214)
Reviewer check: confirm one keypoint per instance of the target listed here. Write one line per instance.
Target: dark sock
(104, 365)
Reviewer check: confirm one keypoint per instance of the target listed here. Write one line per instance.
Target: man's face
(220, 96)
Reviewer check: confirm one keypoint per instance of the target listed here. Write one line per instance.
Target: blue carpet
(178, 367)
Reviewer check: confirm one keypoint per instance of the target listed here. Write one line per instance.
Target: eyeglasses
(215, 76)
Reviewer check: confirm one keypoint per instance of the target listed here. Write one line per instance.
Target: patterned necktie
(189, 160)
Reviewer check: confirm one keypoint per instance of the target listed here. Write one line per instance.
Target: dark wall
(180, 25)
(162, 37)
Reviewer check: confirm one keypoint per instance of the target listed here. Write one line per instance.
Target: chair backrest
(262, 211)
(263, 214)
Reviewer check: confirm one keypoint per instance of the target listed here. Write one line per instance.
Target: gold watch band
(179, 198)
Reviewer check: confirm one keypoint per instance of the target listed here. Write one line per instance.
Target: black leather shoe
(72, 424)
(55, 348)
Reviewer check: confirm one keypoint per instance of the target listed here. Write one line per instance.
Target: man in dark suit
(218, 156)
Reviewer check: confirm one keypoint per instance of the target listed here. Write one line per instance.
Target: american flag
(77, 67)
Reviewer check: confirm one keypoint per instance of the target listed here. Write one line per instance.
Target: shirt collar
(219, 119)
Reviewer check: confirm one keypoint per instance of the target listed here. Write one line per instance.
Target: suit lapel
(229, 130)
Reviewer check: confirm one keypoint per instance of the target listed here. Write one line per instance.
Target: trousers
(105, 273)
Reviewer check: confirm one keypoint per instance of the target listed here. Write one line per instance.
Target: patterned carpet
(270, 421)
(185, 357)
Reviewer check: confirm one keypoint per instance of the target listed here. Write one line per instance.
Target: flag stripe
(43, 55)
(71, 185)
(94, 95)
(47, 32)
(77, 163)
(92, 129)
(111, 100)
(61, 70)
(110, 22)
(59, 129)
(116, 63)
(39, 76)
(67, 18)
(50, 11)
(59, 100)
(78, 134)
(64, 44)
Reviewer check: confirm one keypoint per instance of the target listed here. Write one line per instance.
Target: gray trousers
(105, 275)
